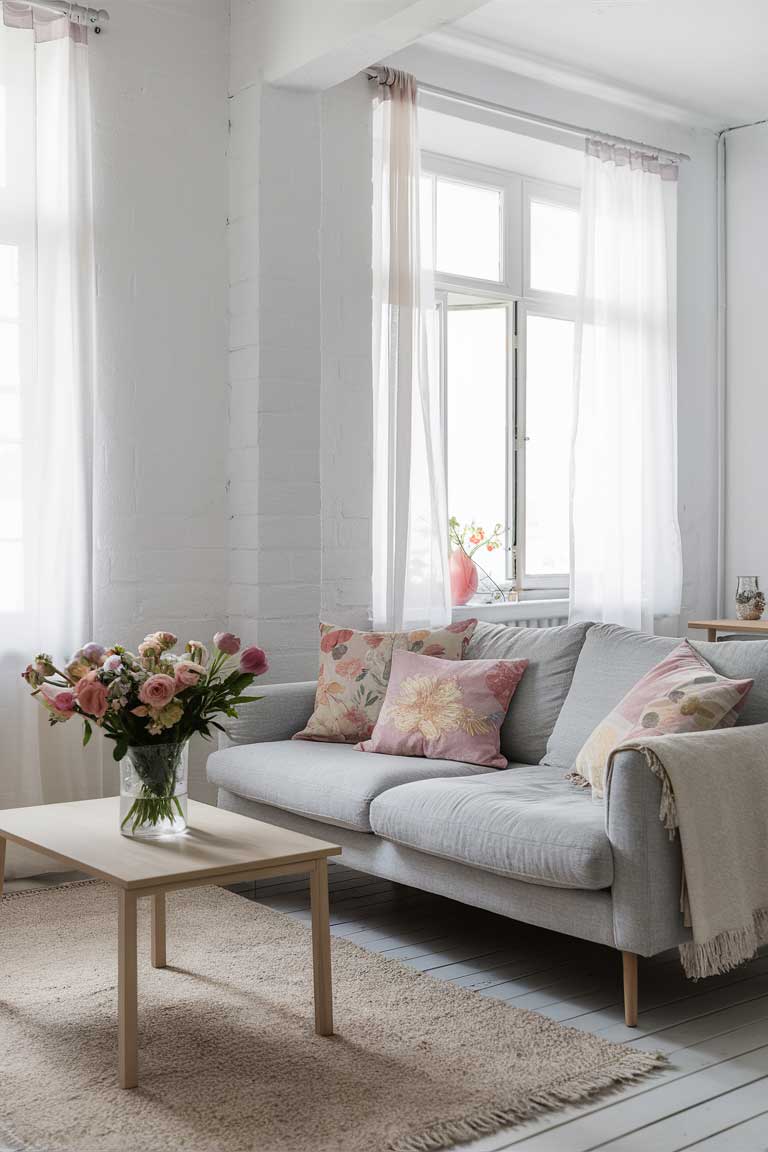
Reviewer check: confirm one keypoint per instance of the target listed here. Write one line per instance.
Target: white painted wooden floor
(713, 1096)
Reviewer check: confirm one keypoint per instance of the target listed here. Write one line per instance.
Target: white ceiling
(708, 58)
(512, 151)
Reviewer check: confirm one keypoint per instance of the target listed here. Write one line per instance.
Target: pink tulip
(227, 642)
(157, 691)
(64, 701)
(187, 674)
(253, 660)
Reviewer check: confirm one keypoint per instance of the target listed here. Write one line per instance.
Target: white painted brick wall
(275, 369)
(159, 86)
(299, 360)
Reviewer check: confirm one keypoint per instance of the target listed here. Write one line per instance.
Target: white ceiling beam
(351, 36)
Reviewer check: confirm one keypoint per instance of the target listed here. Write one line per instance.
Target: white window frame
(514, 292)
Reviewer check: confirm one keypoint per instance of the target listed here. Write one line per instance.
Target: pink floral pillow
(354, 672)
(681, 694)
(446, 711)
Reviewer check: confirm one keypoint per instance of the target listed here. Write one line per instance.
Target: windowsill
(550, 609)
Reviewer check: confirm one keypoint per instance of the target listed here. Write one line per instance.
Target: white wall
(346, 470)
(158, 77)
(275, 377)
(746, 536)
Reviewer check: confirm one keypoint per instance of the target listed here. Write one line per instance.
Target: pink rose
(157, 691)
(253, 661)
(187, 674)
(92, 697)
(226, 642)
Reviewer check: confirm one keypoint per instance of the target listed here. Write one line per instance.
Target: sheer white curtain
(411, 586)
(625, 541)
(46, 354)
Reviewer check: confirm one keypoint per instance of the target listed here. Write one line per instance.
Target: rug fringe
(448, 1133)
(50, 888)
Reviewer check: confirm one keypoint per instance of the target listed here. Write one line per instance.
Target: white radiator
(523, 614)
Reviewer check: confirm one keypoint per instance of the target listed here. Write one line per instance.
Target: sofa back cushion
(611, 662)
(552, 654)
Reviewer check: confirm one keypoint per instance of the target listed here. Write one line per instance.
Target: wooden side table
(712, 627)
(219, 847)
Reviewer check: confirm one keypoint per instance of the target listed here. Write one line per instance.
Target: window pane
(554, 247)
(10, 491)
(9, 356)
(549, 406)
(477, 413)
(11, 576)
(9, 281)
(469, 230)
(10, 416)
(426, 221)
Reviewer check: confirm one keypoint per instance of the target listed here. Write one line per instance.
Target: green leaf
(87, 732)
(120, 750)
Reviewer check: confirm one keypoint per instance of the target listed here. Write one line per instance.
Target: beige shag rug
(228, 1060)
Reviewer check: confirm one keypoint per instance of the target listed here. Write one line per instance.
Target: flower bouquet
(150, 704)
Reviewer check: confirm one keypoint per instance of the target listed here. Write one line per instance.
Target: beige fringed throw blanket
(715, 794)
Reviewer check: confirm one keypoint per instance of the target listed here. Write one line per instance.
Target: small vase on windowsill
(750, 601)
(153, 790)
(464, 577)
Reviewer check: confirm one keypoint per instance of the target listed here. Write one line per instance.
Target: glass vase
(750, 601)
(153, 790)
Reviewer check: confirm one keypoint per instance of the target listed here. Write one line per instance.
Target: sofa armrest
(283, 710)
(647, 864)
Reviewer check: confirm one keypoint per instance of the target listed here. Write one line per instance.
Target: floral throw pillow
(354, 673)
(446, 711)
(681, 694)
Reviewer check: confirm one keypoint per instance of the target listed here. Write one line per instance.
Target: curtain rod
(76, 13)
(530, 118)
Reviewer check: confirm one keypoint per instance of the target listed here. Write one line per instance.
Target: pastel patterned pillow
(681, 694)
(446, 711)
(354, 673)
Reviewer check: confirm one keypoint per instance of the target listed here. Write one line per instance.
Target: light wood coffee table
(218, 848)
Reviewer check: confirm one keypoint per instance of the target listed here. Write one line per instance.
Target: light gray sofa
(522, 841)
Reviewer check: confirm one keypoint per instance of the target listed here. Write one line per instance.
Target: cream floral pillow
(681, 694)
(354, 673)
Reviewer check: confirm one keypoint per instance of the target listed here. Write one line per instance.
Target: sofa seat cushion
(526, 822)
(334, 783)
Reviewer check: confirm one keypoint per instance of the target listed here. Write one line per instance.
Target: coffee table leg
(127, 1042)
(321, 949)
(158, 930)
(2, 862)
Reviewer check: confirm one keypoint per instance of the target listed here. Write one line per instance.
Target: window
(505, 255)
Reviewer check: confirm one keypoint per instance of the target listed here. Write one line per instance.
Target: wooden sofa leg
(629, 960)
